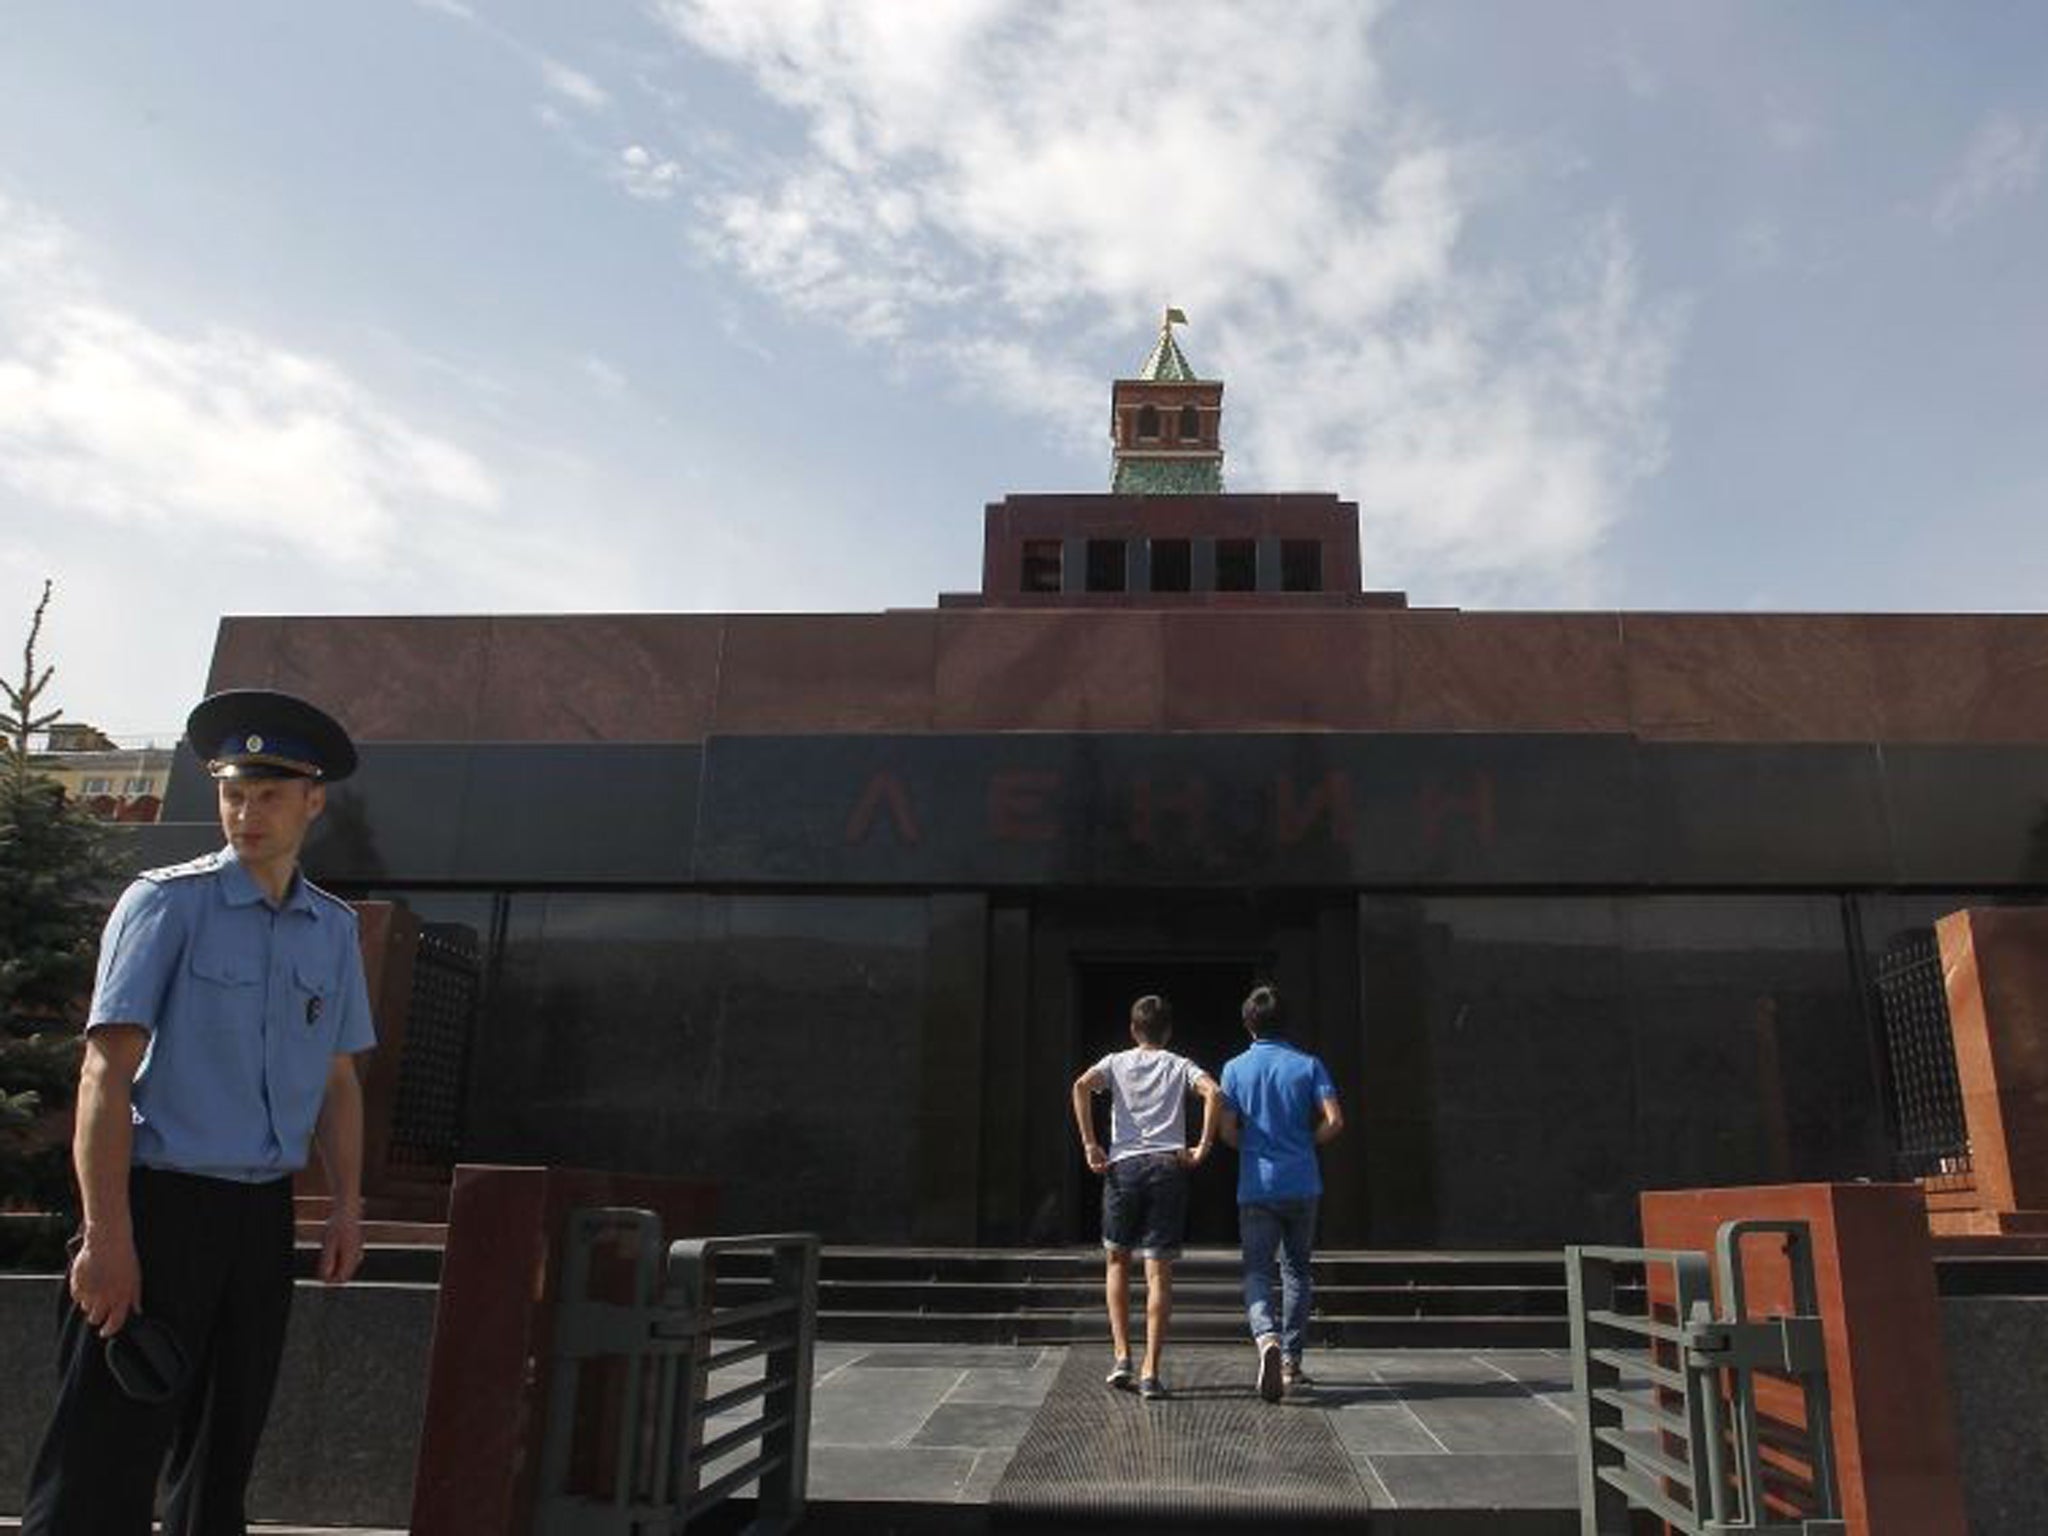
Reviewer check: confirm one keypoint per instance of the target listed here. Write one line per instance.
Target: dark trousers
(216, 1262)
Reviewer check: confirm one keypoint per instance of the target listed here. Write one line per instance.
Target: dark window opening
(1041, 565)
(1237, 565)
(1301, 565)
(1148, 422)
(1106, 565)
(1173, 565)
(1190, 424)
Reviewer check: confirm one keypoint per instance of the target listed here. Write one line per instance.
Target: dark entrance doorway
(1206, 994)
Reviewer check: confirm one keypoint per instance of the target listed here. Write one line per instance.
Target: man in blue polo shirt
(229, 1002)
(1279, 1106)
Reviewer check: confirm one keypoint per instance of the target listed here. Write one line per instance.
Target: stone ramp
(1210, 1453)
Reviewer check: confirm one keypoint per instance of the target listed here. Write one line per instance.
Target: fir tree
(55, 862)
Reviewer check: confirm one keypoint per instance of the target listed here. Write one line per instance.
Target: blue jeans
(1288, 1226)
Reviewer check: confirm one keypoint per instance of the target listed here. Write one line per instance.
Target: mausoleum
(829, 908)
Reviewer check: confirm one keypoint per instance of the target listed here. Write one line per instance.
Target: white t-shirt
(1148, 1096)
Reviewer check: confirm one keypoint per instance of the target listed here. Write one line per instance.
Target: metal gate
(433, 1077)
(1933, 1137)
(1665, 1390)
(656, 1409)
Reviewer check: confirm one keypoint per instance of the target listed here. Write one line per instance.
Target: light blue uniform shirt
(246, 1005)
(1277, 1090)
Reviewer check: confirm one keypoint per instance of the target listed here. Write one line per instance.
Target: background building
(121, 782)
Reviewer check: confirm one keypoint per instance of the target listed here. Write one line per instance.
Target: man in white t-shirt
(1145, 1175)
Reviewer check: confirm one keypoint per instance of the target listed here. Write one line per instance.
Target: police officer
(229, 1002)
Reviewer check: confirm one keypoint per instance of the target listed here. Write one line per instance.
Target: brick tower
(1167, 425)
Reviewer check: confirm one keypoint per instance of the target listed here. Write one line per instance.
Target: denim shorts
(1145, 1205)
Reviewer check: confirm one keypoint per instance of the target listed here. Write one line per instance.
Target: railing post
(696, 1281)
(781, 1496)
(1603, 1510)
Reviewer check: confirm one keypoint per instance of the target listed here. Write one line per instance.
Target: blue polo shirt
(246, 1004)
(1277, 1090)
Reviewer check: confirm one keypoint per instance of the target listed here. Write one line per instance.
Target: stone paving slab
(1424, 1429)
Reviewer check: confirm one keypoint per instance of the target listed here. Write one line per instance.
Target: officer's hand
(106, 1282)
(1097, 1159)
(342, 1248)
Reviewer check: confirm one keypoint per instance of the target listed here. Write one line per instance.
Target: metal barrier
(634, 1424)
(1666, 1396)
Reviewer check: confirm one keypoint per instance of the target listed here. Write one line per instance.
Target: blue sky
(426, 306)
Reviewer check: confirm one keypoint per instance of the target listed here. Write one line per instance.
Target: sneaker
(1292, 1376)
(1269, 1369)
(1152, 1389)
(1120, 1375)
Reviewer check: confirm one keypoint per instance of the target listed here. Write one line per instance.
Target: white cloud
(572, 84)
(606, 379)
(644, 174)
(105, 415)
(977, 178)
(2003, 160)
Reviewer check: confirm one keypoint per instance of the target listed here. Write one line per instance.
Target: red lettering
(1018, 811)
(885, 792)
(1329, 801)
(1440, 806)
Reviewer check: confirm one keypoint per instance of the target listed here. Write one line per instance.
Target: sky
(447, 306)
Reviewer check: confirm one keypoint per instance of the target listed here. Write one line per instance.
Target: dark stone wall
(1531, 1066)
(1995, 1348)
(344, 1427)
(1246, 810)
(787, 1048)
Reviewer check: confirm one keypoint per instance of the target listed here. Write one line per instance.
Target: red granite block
(1327, 671)
(388, 679)
(799, 674)
(1960, 677)
(1020, 669)
(488, 1375)
(244, 654)
(1749, 677)
(1894, 1433)
(600, 677)
(1509, 672)
(1994, 962)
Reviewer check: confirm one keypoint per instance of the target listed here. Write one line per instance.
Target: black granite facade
(1265, 811)
(850, 976)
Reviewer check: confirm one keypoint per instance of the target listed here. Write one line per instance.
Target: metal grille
(447, 986)
(1927, 1102)
(1094, 1458)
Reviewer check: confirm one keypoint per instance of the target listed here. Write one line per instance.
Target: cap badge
(254, 744)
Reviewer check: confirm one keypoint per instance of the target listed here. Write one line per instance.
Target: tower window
(1148, 423)
(1041, 565)
(1301, 565)
(1173, 565)
(1190, 424)
(1106, 565)
(1237, 565)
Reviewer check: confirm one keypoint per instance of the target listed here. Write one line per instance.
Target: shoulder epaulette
(205, 864)
(327, 896)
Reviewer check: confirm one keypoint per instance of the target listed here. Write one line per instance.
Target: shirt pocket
(227, 981)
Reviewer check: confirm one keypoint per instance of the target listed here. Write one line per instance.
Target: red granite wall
(678, 678)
